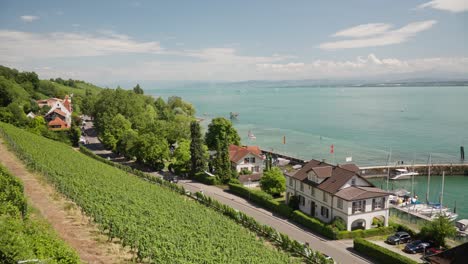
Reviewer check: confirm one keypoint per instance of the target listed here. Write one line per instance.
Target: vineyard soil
(72, 226)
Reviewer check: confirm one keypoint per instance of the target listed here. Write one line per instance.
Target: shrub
(206, 179)
(380, 254)
(366, 233)
(313, 224)
(339, 224)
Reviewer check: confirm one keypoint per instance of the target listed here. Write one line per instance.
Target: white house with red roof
(59, 115)
(327, 192)
(247, 158)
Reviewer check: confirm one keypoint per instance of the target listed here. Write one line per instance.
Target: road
(340, 250)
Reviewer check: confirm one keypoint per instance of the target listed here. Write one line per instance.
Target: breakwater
(436, 169)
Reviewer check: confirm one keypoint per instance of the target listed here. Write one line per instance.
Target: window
(256, 169)
(324, 211)
(246, 160)
(325, 197)
(339, 203)
(301, 200)
(290, 181)
(353, 182)
(378, 203)
(312, 191)
(302, 187)
(252, 160)
(359, 206)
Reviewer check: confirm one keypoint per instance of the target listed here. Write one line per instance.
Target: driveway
(398, 249)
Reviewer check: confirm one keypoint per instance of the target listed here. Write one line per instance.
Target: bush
(313, 224)
(339, 224)
(206, 179)
(261, 198)
(366, 233)
(380, 254)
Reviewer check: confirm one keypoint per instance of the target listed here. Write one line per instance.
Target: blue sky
(105, 41)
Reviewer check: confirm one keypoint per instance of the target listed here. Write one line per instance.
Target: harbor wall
(436, 169)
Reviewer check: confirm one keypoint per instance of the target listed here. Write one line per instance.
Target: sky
(136, 40)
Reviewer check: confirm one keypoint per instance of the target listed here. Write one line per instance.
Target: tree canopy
(273, 181)
(220, 129)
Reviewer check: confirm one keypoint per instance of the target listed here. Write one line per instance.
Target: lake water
(364, 123)
(455, 191)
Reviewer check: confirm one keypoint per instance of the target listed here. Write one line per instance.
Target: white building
(327, 192)
(247, 158)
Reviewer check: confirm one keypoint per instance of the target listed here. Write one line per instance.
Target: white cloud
(381, 36)
(28, 18)
(363, 30)
(18, 45)
(454, 6)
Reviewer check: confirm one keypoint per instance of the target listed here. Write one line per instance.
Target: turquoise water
(362, 122)
(455, 191)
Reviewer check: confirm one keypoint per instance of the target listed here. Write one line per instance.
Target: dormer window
(353, 181)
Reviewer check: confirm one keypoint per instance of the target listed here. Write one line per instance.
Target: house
(59, 115)
(455, 255)
(327, 192)
(248, 161)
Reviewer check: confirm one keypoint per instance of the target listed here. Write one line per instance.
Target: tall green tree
(137, 89)
(222, 163)
(182, 156)
(438, 230)
(273, 182)
(221, 129)
(152, 150)
(197, 152)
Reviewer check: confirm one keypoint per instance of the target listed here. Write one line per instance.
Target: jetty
(436, 169)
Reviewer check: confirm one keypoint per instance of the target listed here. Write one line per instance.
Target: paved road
(340, 250)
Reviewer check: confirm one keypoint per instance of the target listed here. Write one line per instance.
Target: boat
(401, 174)
(251, 135)
(451, 216)
(433, 209)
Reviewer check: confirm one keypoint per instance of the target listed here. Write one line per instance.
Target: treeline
(24, 238)
(69, 82)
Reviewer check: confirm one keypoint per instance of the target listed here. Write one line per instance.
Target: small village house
(327, 192)
(248, 161)
(59, 115)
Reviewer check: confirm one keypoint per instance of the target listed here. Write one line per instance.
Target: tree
(137, 89)
(438, 229)
(197, 152)
(221, 129)
(182, 156)
(222, 163)
(273, 182)
(152, 150)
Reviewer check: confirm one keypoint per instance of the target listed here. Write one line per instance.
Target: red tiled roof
(58, 111)
(57, 122)
(237, 153)
(350, 166)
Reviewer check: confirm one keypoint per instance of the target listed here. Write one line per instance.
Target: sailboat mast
(388, 165)
(412, 181)
(442, 192)
(428, 177)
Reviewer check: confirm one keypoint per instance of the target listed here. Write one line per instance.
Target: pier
(436, 169)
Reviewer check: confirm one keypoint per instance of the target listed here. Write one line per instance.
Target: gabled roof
(57, 122)
(359, 193)
(252, 177)
(302, 173)
(237, 153)
(350, 166)
(323, 172)
(57, 111)
(339, 178)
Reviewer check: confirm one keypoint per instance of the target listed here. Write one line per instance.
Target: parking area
(398, 249)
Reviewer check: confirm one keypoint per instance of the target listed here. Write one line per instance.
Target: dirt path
(64, 216)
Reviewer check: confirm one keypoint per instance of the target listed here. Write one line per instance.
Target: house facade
(327, 192)
(249, 159)
(59, 115)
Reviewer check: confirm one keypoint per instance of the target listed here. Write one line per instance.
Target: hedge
(261, 198)
(380, 254)
(313, 224)
(366, 233)
(206, 179)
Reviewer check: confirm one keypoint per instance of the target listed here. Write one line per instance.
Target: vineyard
(158, 224)
(23, 237)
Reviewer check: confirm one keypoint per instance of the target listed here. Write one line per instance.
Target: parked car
(398, 238)
(416, 246)
(433, 251)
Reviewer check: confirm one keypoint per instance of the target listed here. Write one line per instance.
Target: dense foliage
(20, 90)
(143, 128)
(380, 254)
(198, 152)
(273, 181)
(24, 238)
(160, 225)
